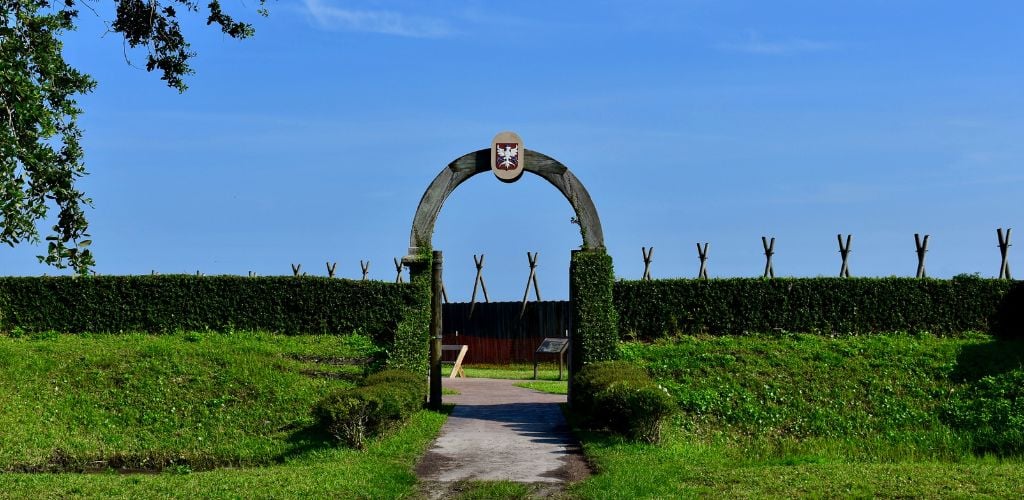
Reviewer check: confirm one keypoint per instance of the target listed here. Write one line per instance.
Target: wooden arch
(477, 162)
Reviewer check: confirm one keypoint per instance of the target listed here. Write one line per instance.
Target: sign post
(552, 346)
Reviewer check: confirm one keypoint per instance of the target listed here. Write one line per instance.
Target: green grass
(548, 386)
(383, 470)
(521, 371)
(200, 401)
(800, 415)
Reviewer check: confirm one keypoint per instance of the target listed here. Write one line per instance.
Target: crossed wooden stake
(648, 254)
(296, 268)
(769, 251)
(844, 251)
(1004, 249)
(702, 253)
(365, 266)
(331, 268)
(532, 279)
(478, 283)
(398, 267)
(922, 248)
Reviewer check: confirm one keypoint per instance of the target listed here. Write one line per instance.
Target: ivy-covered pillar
(409, 349)
(595, 322)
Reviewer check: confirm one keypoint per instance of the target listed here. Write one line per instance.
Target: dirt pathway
(499, 432)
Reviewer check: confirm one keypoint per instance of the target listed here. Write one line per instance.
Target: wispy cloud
(755, 45)
(328, 16)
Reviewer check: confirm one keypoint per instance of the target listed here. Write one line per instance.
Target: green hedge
(382, 401)
(409, 349)
(594, 316)
(658, 308)
(156, 304)
(621, 397)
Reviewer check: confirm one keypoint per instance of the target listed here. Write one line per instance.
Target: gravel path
(499, 432)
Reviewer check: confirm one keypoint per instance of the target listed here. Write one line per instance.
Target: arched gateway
(508, 159)
(467, 166)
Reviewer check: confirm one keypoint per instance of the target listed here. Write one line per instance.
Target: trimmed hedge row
(383, 400)
(620, 396)
(157, 304)
(594, 314)
(653, 309)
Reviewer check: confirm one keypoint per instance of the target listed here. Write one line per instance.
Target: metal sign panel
(553, 346)
(507, 156)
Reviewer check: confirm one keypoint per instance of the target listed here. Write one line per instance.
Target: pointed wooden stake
(702, 253)
(648, 256)
(331, 268)
(365, 266)
(844, 251)
(295, 269)
(922, 248)
(1004, 249)
(398, 267)
(769, 251)
(532, 279)
(478, 282)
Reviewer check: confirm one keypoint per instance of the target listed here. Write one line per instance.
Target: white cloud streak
(330, 17)
(783, 47)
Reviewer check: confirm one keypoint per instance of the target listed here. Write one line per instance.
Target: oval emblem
(507, 156)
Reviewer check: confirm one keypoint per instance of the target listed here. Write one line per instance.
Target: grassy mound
(791, 415)
(184, 402)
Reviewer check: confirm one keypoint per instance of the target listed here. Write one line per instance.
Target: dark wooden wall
(497, 334)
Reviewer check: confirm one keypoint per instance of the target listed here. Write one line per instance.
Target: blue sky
(688, 121)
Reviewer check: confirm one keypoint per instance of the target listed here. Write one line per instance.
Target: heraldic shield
(507, 155)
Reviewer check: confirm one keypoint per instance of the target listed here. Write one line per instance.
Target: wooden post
(1004, 249)
(648, 255)
(769, 251)
(365, 266)
(532, 279)
(435, 332)
(844, 251)
(330, 269)
(922, 248)
(702, 252)
(295, 269)
(252, 274)
(398, 267)
(478, 282)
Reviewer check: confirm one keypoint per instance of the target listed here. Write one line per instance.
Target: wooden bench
(457, 364)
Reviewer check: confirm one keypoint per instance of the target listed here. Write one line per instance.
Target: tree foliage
(41, 156)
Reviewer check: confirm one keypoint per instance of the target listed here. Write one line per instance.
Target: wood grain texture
(477, 162)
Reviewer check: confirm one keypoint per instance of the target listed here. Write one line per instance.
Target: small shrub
(597, 376)
(636, 409)
(382, 401)
(621, 397)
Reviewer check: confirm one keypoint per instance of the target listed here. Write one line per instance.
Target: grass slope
(192, 401)
(813, 416)
(383, 470)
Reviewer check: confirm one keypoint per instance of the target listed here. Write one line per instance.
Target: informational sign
(553, 345)
(507, 156)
